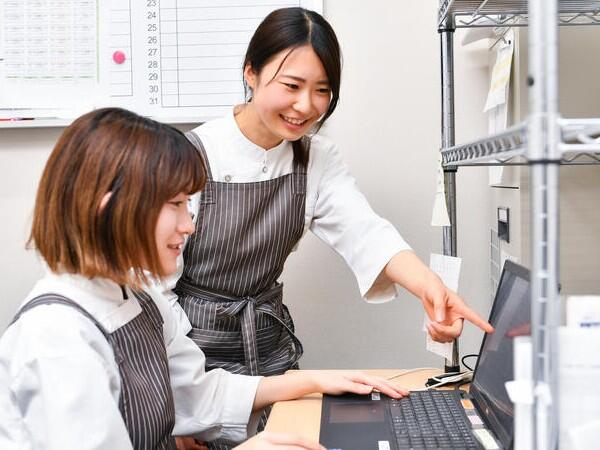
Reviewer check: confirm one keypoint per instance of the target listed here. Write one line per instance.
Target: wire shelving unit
(502, 13)
(543, 142)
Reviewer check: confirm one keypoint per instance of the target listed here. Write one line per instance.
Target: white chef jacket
(60, 383)
(336, 211)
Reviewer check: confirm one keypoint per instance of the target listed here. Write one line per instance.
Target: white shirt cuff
(237, 411)
(383, 290)
(373, 283)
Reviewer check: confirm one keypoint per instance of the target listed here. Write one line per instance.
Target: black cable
(468, 356)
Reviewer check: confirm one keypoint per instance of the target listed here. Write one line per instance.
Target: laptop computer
(449, 419)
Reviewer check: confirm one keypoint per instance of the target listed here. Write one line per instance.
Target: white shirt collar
(248, 148)
(101, 297)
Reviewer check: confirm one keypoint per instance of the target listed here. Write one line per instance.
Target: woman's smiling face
(173, 225)
(289, 95)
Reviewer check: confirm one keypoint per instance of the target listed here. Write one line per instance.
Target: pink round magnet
(119, 57)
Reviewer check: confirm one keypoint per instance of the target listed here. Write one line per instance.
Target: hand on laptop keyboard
(337, 382)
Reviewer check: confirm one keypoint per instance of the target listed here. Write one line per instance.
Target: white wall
(23, 154)
(387, 126)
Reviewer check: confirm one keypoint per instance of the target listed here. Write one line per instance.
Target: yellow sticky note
(467, 404)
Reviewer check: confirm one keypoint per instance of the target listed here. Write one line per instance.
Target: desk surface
(303, 416)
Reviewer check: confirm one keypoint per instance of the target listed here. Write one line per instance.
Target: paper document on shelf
(500, 79)
(448, 269)
(583, 311)
(578, 371)
(497, 122)
(440, 216)
(476, 34)
(495, 173)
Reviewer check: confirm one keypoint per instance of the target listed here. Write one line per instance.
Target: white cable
(448, 380)
(407, 372)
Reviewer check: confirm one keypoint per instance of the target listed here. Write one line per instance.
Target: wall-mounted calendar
(174, 60)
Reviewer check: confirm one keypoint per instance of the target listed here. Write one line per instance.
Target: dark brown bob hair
(142, 163)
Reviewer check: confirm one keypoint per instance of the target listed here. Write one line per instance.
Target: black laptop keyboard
(432, 420)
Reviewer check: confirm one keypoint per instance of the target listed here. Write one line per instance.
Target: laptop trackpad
(353, 422)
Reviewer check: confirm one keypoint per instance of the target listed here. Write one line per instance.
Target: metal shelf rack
(579, 144)
(502, 13)
(543, 142)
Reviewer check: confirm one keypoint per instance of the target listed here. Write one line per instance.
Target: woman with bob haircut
(95, 357)
(271, 178)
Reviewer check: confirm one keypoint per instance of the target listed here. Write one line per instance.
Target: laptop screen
(510, 316)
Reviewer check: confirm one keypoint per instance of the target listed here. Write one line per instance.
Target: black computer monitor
(511, 317)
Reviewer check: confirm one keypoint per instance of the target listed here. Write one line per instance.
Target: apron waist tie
(245, 308)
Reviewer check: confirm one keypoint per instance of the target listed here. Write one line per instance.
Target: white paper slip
(448, 269)
(476, 34)
(443, 349)
(501, 73)
(497, 122)
(583, 311)
(440, 216)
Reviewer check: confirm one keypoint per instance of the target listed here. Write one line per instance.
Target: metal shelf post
(544, 159)
(448, 138)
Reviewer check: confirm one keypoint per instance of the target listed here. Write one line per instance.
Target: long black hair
(290, 28)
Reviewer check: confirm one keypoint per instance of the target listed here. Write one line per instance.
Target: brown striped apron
(229, 289)
(146, 399)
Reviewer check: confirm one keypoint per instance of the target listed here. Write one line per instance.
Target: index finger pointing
(476, 319)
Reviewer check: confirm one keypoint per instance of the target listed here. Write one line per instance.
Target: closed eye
(292, 86)
(177, 204)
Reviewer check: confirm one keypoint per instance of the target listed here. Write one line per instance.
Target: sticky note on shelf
(501, 73)
(440, 216)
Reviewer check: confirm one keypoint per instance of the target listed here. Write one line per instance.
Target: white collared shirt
(336, 211)
(60, 384)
